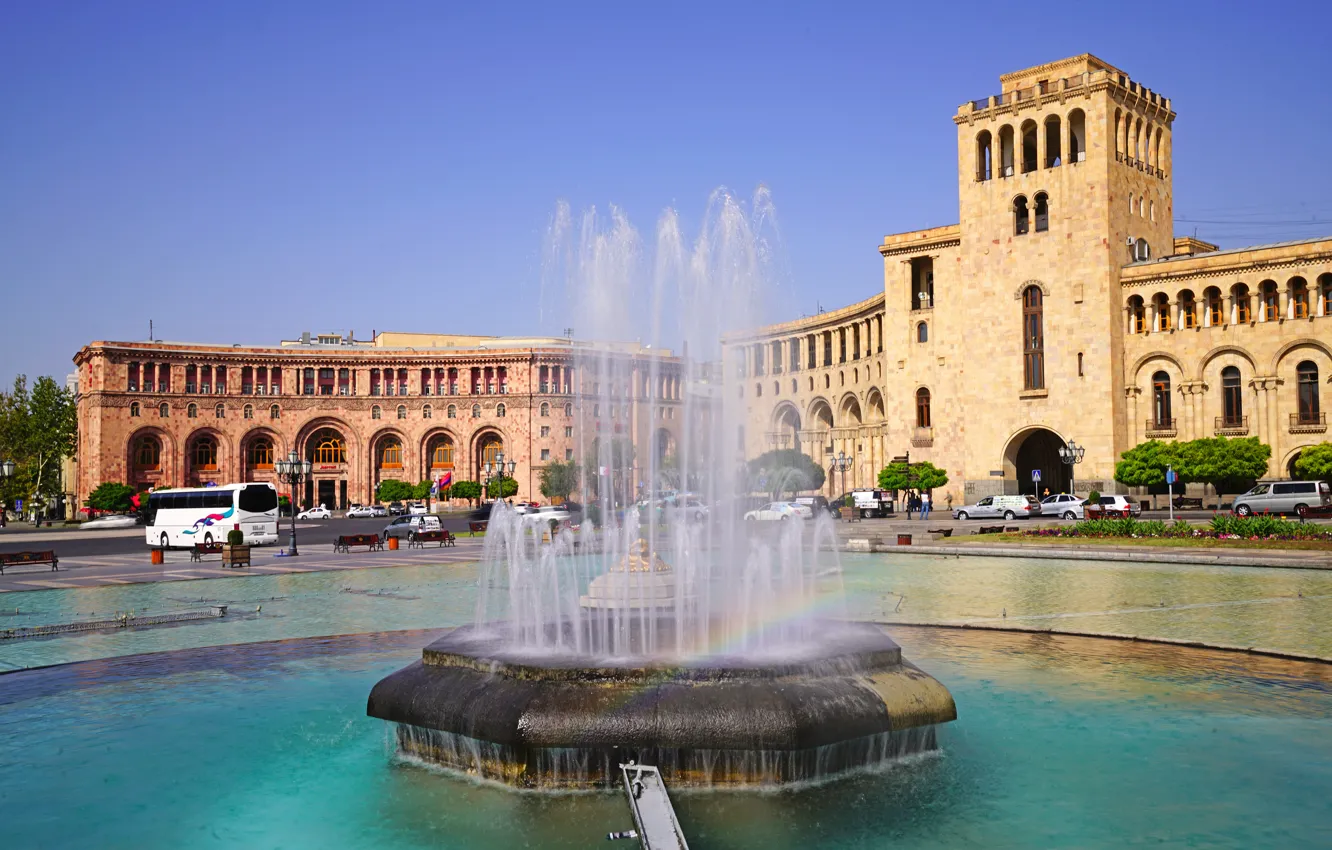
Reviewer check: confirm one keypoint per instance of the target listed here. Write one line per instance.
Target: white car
(361, 511)
(416, 509)
(117, 521)
(779, 510)
(320, 512)
(546, 513)
(1063, 505)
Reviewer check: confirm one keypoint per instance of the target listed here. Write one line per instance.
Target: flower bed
(1221, 528)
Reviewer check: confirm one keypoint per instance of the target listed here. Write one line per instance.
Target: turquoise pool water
(1061, 742)
(1272, 608)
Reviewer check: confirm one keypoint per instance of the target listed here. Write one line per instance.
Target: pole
(293, 552)
(1170, 491)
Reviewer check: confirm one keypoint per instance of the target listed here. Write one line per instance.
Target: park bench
(14, 559)
(990, 529)
(201, 549)
(421, 538)
(1185, 504)
(346, 541)
(942, 532)
(477, 527)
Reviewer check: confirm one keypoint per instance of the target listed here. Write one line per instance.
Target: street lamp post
(497, 472)
(1071, 454)
(7, 468)
(293, 471)
(841, 464)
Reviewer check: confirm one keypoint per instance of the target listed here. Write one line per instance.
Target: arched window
(259, 453)
(811, 383)
(827, 382)
(1161, 401)
(1054, 142)
(1033, 339)
(922, 332)
(1299, 298)
(490, 450)
(1042, 212)
(984, 155)
(163, 410)
(192, 411)
(1141, 250)
(205, 454)
(441, 454)
(545, 408)
(134, 408)
(568, 410)
(1216, 311)
(1309, 414)
(1161, 306)
(758, 392)
(922, 408)
(376, 412)
(247, 412)
(427, 412)
(1325, 294)
(1137, 315)
(795, 387)
(1028, 146)
(275, 412)
(1240, 294)
(1188, 310)
(1142, 207)
(1267, 291)
(1077, 136)
(476, 411)
(402, 411)
(1021, 219)
(390, 454)
(147, 453)
(452, 412)
(1232, 398)
(220, 411)
(1006, 151)
(501, 410)
(328, 447)
(776, 390)
(1152, 211)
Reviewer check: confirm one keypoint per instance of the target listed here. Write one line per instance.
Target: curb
(1239, 559)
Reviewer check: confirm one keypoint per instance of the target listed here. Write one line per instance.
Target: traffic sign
(1035, 475)
(1171, 476)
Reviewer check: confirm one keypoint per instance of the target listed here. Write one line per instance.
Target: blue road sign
(1171, 477)
(1035, 475)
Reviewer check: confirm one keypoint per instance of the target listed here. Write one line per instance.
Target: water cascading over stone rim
(662, 628)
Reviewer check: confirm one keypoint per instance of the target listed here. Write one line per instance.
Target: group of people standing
(918, 502)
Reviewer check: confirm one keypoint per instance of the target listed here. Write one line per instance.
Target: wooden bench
(15, 559)
(942, 532)
(478, 527)
(201, 549)
(420, 538)
(346, 541)
(990, 529)
(1183, 504)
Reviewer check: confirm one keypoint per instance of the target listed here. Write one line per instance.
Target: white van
(1007, 507)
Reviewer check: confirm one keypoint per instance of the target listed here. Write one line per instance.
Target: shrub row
(1222, 528)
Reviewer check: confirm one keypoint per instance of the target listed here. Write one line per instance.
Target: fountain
(719, 654)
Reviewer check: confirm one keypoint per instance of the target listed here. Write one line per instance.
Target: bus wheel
(165, 541)
(208, 539)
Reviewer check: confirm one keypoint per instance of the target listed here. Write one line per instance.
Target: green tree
(393, 490)
(559, 479)
(421, 491)
(469, 490)
(1315, 462)
(786, 471)
(921, 475)
(110, 496)
(38, 427)
(1229, 465)
(501, 488)
(1145, 464)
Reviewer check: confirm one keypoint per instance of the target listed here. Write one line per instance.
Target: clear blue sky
(243, 171)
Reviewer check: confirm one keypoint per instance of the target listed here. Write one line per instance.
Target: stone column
(1135, 424)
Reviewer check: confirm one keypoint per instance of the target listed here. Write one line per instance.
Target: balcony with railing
(922, 437)
(1308, 422)
(1162, 428)
(1232, 425)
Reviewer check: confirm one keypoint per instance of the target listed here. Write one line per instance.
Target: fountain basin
(557, 719)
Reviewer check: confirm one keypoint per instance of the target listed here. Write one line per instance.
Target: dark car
(397, 509)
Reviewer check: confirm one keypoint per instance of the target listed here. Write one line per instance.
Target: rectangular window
(326, 381)
(758, 360)
(545, 454)
(841, 343)
(794, 347)
(545, 430)
(568, 430)
(811, 352)
(827, 348)
(855, 342)
(568, 454)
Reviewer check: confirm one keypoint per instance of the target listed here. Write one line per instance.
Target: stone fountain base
(555, 720)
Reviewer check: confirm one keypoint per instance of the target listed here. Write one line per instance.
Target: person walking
(925, 505)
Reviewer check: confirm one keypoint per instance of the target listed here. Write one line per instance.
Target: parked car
(1283, 497)
(417, 509)
(1007, 507)
(818, 505)
(779, 511)
(1121, 505)
(356, 511)
(404, 526)
(397, 509)
(378, 510)
(1062, 505)
(872, 503)
(320, 512)
(110, 521)
(546, 513)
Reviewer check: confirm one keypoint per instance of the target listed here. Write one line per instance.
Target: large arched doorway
(785, 433)
(388, 460)
(1038, 448)
(326, 449)
(203, 460)
(147, 463)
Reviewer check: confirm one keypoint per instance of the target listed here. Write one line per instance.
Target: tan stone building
(403, 406)
(1061, 308)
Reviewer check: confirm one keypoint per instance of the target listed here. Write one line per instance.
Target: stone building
(1062, 307)
(402, 406)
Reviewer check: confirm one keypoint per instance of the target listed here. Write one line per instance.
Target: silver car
(1062, 505)
(1283, 497)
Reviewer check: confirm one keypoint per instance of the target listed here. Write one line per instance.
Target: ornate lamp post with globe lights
(1071, 454)
(841, 464)
(293, 471)
(6, 471)
(498, 471)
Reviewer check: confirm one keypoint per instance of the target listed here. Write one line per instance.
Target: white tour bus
(192, 515)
